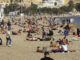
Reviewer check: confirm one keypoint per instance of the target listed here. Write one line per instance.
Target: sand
(26, 50)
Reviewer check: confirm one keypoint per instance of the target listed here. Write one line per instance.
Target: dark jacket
(47, 58)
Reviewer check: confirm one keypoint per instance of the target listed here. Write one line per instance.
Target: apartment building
(53, 3)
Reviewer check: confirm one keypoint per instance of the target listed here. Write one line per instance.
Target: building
(4, 1)
(66, 2)
(75, 1)
(53, 3)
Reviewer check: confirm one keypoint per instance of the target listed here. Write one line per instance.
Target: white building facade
(2, 11)
(52, 3)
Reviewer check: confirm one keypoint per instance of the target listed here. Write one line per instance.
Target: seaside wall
(34, 1)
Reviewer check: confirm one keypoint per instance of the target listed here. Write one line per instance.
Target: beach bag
(0, 41)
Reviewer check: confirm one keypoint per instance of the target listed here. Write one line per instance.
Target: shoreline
(66, 16)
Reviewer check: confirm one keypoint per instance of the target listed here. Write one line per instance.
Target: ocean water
(76, 19)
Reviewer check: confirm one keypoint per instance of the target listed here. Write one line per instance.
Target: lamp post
(31, 8)
(11, 3)
(22, 14)
(21, 7)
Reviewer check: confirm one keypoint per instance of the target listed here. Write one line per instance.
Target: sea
(76, 19)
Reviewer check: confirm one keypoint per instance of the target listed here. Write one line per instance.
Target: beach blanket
(75, 38)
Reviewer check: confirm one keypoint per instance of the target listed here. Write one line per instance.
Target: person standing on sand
(46, 56)
(8, 38)
(66, 32)
(51, 33)
(43, 32)
(9, 25)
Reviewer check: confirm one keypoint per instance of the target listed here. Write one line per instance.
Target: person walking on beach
(9, 25)
(66, 32)
(43, 32)
(46, 56)
(8, 38)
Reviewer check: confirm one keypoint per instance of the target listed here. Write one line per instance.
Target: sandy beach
(26, 50)
(21, 49)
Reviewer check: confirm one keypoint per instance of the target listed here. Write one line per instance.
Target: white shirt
(8, 33)
(65, 47)
(71, 20)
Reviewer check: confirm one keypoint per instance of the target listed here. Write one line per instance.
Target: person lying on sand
(62, 48)
(41, 50)
(31, 38)
(65, 41)
(52, 44)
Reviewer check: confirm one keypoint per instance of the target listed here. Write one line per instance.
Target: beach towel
(74, 38)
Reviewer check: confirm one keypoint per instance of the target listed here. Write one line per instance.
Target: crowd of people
(40, 28)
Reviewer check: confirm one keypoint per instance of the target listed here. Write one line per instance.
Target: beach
(21, 49)
(26, 50)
